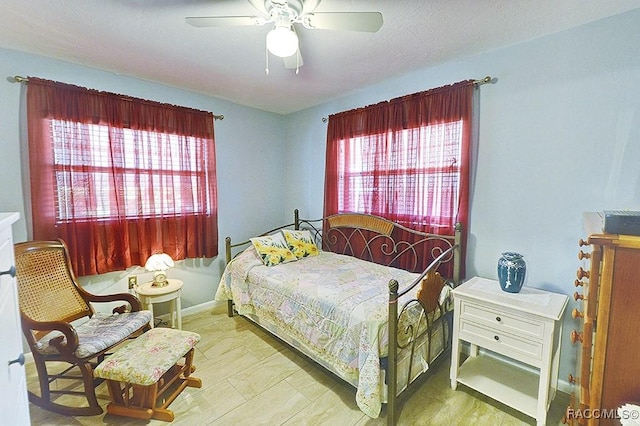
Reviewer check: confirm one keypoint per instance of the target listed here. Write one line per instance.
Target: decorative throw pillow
(301, 243)
(273, 249)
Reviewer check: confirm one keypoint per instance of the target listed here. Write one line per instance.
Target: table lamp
(159, 263)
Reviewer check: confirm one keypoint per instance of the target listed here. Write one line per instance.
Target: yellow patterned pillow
(273, 249)
(301, 243)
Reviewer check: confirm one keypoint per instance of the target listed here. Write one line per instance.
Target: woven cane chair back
(47, 290)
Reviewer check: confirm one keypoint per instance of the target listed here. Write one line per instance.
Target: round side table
(149, 295)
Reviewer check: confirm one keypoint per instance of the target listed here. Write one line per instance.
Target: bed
(350, 292)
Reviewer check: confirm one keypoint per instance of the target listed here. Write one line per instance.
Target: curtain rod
(20, 79)
(480, 82)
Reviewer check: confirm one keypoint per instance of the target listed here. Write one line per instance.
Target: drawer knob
(583, 255)
(576, 314)
(576, 336)
(497, 338)
(578, 283)
(572, 379)
(19, 360)
(11, 271)
(498, 319)
(582, 273)
(578, 296)
(583, 243)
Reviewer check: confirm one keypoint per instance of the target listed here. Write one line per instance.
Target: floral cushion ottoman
(144, 376)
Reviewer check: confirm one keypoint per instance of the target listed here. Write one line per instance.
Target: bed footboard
(404, 334)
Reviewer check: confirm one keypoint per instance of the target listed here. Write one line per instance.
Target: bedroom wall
(248, 143)
(559, 135)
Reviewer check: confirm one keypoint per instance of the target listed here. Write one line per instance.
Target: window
(414, 180)
(120, 178)
(153, 171)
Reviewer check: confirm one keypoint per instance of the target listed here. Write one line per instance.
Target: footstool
(144, 376)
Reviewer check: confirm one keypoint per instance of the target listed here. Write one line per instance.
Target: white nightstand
(525, 327)
(149, 295)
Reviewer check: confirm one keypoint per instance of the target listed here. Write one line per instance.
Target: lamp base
(159, 279)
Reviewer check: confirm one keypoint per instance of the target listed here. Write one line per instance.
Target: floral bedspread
(334, 305)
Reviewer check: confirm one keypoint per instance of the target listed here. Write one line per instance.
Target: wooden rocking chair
(61, 326)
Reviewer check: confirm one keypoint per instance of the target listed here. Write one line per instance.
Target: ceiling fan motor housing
(293, 5)
(284, 10)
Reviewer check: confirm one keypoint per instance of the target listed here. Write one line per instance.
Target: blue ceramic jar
(512, 269)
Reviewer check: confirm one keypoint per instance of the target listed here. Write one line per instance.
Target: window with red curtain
(406, 159)
(120, 178)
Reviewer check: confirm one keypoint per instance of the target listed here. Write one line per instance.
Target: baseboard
(194, 309)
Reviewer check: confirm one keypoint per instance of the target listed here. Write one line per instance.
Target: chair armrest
(127, 297)
(67, 329)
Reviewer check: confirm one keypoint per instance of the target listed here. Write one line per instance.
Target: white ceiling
(150, 40)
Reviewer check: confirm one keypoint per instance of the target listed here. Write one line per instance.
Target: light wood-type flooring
(251, 378)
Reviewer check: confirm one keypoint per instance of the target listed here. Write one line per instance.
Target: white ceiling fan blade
(224, 21)
(294, 61)
(349, 21)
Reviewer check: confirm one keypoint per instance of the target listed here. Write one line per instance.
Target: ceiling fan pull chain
(266, 60)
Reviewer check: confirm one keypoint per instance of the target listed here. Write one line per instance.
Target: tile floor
(251, 378)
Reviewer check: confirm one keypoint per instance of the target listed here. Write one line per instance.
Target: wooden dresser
(607, 326)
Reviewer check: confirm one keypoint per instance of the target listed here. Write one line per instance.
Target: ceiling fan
(282, 39)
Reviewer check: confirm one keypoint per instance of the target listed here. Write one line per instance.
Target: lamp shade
(159, 262)
(282, 41)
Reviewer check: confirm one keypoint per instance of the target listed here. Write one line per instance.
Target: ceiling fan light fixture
(282, 41)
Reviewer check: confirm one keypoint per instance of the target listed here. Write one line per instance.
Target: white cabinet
(13, 383)
(524, 327)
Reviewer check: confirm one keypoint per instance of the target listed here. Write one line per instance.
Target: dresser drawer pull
(576, 336)
(582, 273)
(578, 296)
(572, 379)
(11, 271)
(583, 255)
(19, 360)
(578, 283)
(576, 314)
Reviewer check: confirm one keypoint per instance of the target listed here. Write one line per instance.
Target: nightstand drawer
(529, 351)
(502, 322)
